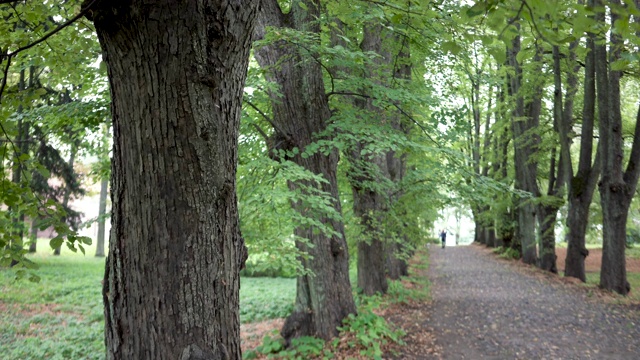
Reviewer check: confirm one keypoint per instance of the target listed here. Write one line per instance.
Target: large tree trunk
(582, 185)
(491, 237)
(395, 263)
(398, 252)
(368, 206)
(547, 252)
(324, 298)
(479, 235)
(524, 121)
(502, 221)
(616, 186)
(370, 201)
(172, 279)
(102, 210)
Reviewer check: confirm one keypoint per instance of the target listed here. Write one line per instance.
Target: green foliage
(507, 253)
(52, 100)
(415, 287)
(368, 331)
(305, 347)
(267, 218)
(60, 317)
(633, 252)
(266, 298)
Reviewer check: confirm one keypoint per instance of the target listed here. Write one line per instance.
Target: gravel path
(486, 308)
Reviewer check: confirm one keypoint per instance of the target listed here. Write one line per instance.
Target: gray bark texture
(525, 120)
(370, 201)
(300, 114)
(399, 251)
(616, 186)
(176, 74)
(582, 184)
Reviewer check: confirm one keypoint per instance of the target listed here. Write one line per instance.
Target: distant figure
(443, 237)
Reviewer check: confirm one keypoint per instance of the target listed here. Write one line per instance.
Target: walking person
(443, 237)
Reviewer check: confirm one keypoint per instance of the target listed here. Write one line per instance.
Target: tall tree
(300, 114)
(617, 185)
(25, 25)
(525, 119)
(397, 264)
(368, 171)
(581, 184)
(172, 276)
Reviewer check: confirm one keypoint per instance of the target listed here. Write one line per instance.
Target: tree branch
(404, 113)
(82, 13)
(268, 119)
(512, 20)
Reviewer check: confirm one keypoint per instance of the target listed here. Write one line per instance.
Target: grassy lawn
(61, 317)
(593, 279)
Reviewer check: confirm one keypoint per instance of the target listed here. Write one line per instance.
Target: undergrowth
(507, 253)
(61, 316)
(365, 334)
(266, 298)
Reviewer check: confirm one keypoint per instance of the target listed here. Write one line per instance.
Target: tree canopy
(357, 124)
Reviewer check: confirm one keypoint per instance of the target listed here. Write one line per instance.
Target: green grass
(563, 245)
(633, 252)
(593, 279)
(58, 318)
(266, 298)
(61, 317)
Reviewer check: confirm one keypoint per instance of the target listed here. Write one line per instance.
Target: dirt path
(486, 308)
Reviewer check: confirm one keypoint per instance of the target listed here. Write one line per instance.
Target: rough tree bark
(397, 265)
(172, 280)
(559, 169)
(525, 120)
(504, 219)
(324, 298)
(617, 186)
(370, 202)
(582, 184)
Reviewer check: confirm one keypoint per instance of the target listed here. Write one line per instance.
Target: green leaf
(56, 242)
(451, 47)
(620, 65)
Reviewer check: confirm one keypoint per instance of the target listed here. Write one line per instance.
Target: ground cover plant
(61, 316)
(375, 331)
(265, 298)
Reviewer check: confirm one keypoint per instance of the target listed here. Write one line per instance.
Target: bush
(270, 265)
(507, 253)
(305, 347)
(367, 331)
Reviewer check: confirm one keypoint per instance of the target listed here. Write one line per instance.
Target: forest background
(358, 124)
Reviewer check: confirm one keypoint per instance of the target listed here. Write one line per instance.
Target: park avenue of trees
(313, 136)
